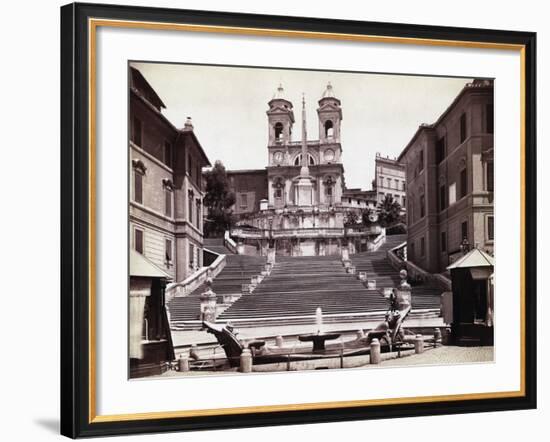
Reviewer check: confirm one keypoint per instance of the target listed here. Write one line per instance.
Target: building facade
(390, 179)
(450, 187)
(166, 190)
(250, 188)
(359, 199)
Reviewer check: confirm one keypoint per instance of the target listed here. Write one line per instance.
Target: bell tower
(280, 118)
(330, 117)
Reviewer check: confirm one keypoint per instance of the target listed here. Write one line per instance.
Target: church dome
(329, 92)
(329, 96)
(279, 93)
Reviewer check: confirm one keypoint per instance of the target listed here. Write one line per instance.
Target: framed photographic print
(274, 220)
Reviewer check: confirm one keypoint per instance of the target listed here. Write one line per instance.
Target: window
(452, 194)
(421, 161)
(136, 131)
(381, 181)
(396, 184)
(168, 250)
(190, 206)
(329, 129)
(191, 256)
(490, 118)
(278, 193)
(403, 201)
(298, 160)
(440, 150)
(490, 228)
(422, 246)
(138, 187)
(443, 241)
(463, 128)
(404, 186)
(464, 230)
(138, 240)
(422, 206)
(442, 199)
(168, 202)
(490, 176)
(278, 131)
(463, 183)
(198, 213)
(168, 153)
(389, 183)
(244, 200)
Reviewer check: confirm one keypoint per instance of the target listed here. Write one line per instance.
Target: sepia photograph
(285, 220)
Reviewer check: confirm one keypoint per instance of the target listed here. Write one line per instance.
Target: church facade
(303, 211)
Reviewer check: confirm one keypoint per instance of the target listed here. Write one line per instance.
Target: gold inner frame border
(93, 24)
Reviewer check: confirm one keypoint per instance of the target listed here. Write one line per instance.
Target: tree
(352, 218)
(218, 200)
(389, 211)
(366, 216)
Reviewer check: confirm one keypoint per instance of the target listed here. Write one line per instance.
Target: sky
(228, 108)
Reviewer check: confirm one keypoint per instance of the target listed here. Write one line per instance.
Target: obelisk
(304, 186)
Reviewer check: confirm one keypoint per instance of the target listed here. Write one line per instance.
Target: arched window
(298, 160)
(278, 131)
(329, 129)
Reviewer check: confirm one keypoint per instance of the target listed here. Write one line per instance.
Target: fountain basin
(318, 339)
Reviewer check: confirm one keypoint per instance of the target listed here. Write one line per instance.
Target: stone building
(390, 179)
(166, 190)
(299, 208)
(250, 188)
(359, 199)
(450, 187)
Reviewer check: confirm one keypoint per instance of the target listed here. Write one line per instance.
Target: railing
(243, 232)
(417, 273)
(191, 283)
(228, 242)
(379, 240)
(361, 230)
(308, 232)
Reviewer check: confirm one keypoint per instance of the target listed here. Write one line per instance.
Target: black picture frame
(76, 417)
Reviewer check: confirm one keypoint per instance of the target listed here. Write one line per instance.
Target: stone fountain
(320, 337)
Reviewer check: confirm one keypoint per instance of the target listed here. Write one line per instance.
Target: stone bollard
(371, 284)
(352, 270)
(437, 336)
(183, 363)
(279, 341)
(446, 339)
(375, 351)
(360, 334)
(246, 361)
(362, 276)
(418, 344)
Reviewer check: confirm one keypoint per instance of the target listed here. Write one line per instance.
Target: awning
(474, 258)
(141, 266)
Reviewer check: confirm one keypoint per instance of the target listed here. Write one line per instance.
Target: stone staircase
(378, 268)
(238, 270)
(216, 245)
(298, 285)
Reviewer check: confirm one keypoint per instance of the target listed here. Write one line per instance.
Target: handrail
(190, 283)
(229, 243)
(415, 271)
